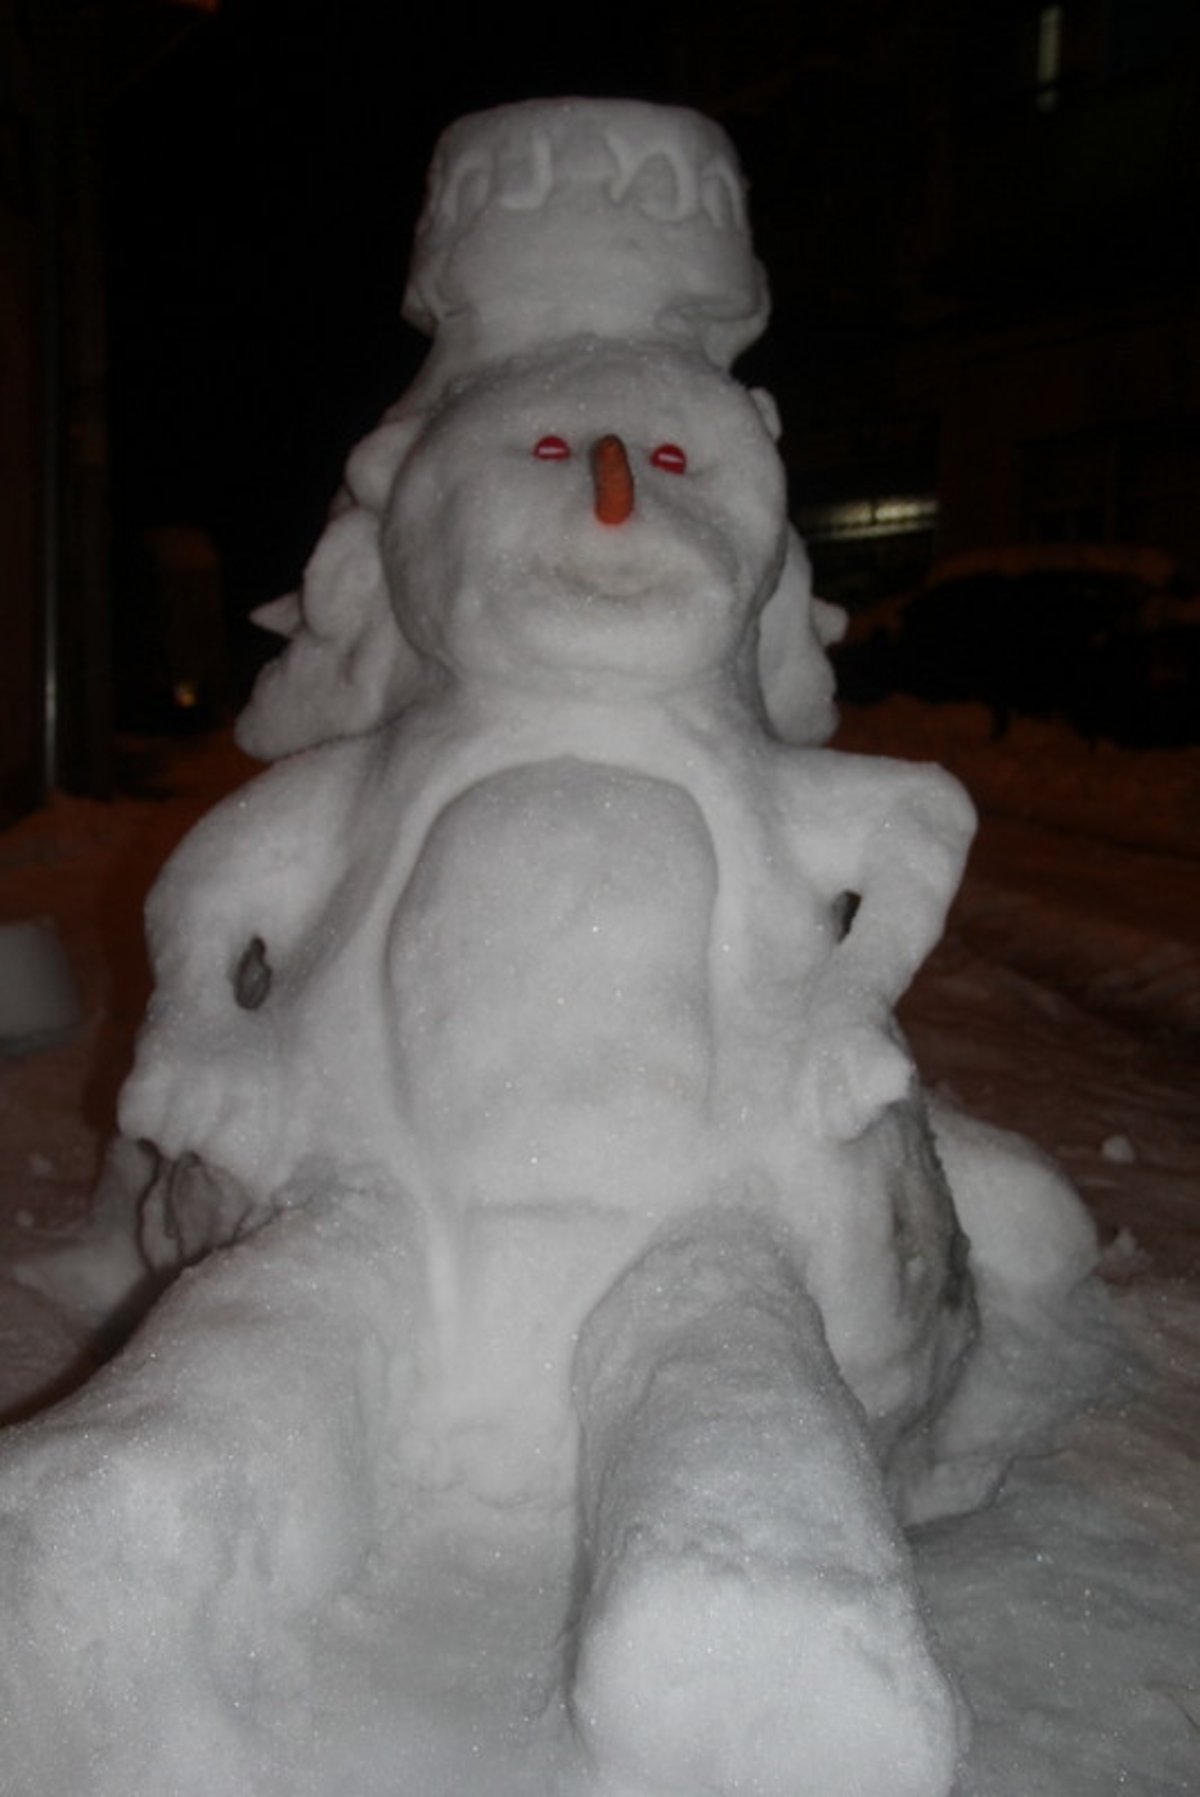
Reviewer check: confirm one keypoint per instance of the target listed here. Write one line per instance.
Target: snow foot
(161, 1532)
(695, 1676)
(752, 1622)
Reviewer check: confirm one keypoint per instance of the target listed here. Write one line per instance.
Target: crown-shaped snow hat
(555, 219)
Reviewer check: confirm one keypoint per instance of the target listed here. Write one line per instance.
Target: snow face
(502, 569)
(532, 1119)
(514, 505)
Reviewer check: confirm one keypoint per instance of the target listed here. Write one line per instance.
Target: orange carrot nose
(613, 480)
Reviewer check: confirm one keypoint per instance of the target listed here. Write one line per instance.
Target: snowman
(521, 1079)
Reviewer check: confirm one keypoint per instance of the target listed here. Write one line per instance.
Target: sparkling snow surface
(1060, 1004)
(590, 1312)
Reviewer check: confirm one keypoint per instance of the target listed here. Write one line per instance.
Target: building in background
(64, 64)
(980, 222)
(20, 443)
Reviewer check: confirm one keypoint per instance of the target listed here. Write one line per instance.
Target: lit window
(860, 519)
(1049, 56)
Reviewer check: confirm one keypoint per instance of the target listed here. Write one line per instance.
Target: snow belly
(549, 989)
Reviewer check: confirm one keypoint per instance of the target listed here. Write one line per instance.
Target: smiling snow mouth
(614, 593)
(610, 585)
(603, 588)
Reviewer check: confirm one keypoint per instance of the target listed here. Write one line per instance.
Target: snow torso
(574, 948)
(566, 999)
(552, 1032)
(553, 981)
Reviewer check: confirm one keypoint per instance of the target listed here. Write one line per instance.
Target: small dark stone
(958, 1283)
(252, 980)
(845, 909)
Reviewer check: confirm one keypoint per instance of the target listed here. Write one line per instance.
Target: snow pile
(38, 1001)
(1067, 1607)
(570, 1295)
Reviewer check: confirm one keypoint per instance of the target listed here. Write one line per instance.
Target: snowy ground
(1064, 1002)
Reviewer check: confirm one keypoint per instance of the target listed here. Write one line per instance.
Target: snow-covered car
(1104, 636)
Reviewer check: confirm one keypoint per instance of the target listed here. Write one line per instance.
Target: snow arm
(897, 838)
(886, 842)
(232, 904)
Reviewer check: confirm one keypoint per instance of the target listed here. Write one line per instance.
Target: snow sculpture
(522, 1070)
(543, 224)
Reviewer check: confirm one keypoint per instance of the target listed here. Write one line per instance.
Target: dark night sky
(262, 182)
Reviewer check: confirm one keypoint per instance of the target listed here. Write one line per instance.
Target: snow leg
(160, 1530)
(751, 1621)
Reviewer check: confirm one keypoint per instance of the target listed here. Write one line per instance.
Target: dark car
(1105, 637)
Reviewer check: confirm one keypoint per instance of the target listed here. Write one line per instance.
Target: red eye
(552, 449)
(670, 457)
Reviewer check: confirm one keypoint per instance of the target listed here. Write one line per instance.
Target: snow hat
(555, 219)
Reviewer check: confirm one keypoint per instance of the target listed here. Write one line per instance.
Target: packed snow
(1067, 1605)
(581, 1356)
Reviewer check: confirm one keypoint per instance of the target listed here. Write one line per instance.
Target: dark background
(984, 263)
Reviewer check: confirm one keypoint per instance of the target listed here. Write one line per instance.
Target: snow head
(586, 270)
(608, 520)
